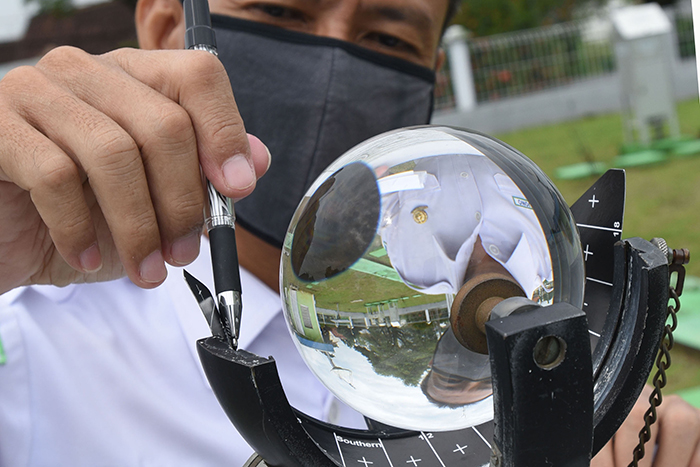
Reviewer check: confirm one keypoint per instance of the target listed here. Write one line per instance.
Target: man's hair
(130, 3)
(452, 9)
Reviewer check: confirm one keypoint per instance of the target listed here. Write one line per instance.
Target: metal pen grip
(220, 209)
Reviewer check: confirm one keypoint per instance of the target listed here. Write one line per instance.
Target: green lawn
(662, 200)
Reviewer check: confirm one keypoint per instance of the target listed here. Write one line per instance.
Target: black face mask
(310, 99)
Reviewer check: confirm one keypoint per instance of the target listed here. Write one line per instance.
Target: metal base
(248, 388)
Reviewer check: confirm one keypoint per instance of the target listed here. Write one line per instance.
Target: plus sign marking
(460, 448)
(586, 252)
(365, 461)
(413, 461)
(593, 201)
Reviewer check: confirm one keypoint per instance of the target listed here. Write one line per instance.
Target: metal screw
(680, 256)
(660, 243)
(549, 352)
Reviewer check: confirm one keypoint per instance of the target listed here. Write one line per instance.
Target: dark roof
(95, 29)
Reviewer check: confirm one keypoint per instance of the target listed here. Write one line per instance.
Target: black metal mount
(566, 409)
(543, 391)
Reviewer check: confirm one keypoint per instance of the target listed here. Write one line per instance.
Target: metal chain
(663, 359)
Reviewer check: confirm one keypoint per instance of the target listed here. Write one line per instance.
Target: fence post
(455, 41)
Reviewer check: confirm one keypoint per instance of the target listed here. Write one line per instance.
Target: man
(100, 170)
(99, 180)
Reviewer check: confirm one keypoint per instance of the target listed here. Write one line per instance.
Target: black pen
(199, 35)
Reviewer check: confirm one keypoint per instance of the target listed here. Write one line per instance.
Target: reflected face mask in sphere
(310, 99)
(397, 254)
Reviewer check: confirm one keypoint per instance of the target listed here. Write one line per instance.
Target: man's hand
(674, 439)
(99, 163)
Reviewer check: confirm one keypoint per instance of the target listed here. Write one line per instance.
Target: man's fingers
(137, 125)
(260, 154)
(164, 133)
(53, 181)
(695, 460)
(679, 432)
(39, 166)
(198, 82)
(604, 458)
(112, 161)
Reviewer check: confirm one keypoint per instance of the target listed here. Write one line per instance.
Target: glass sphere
(397, 254)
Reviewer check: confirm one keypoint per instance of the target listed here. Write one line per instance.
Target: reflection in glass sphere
(395, 258)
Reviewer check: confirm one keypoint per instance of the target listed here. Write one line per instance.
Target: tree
(487, 17)
(53, 7)
(403, 353)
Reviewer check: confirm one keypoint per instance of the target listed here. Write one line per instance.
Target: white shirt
(108, 375)
(433, 214)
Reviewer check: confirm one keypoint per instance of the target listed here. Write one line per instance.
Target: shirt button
(419, 215)
(494, 250)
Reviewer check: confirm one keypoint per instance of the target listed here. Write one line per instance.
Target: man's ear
(440, 59)
(160, 24)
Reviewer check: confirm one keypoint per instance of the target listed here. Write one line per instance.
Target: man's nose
(335, 27)
(338, 20)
